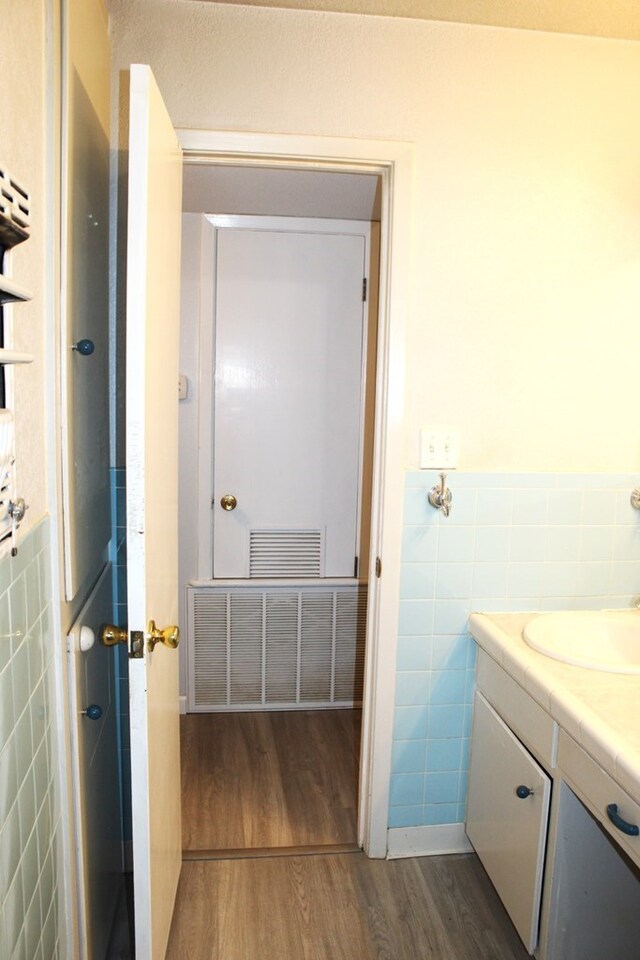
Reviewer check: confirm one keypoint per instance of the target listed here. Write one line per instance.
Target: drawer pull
(523, 792)
(631, 829)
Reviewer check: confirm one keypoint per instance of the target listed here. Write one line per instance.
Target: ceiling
(598, 18)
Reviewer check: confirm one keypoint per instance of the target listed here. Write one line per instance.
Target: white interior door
(94, 743)
(288, 401)
(153, 309)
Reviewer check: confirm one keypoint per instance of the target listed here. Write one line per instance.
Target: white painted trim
(52, 217)
(427, 841)
(183, 704)
(206, 320)
(69, 588)
(393, 161)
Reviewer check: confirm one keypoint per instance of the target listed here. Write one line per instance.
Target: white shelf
(15, 356)
(12, 292)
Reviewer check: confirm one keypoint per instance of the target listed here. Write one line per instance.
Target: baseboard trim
(183, 704)
(427, 841)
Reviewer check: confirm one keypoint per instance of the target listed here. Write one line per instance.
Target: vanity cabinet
(567, 875)
(507, 815)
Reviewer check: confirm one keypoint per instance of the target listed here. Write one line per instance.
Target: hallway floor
(273, 779)
(342, 907)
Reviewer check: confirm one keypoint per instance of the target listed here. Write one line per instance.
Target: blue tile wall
(31, 923)
(512, 542)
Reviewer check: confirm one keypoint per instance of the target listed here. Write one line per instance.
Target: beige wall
(23, 150)
(526, 234)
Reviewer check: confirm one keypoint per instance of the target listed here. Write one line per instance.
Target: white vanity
(554, 791)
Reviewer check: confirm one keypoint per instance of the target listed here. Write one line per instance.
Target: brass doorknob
(170, 636)
(228, 502)
(111, 635)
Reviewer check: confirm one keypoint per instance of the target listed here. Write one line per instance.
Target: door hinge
(364, 289)
(378, 567)
(355, 566)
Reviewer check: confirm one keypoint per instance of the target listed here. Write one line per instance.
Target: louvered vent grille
(245, 625)
(210, 658)
(281, 653)
(285, 553)
(276, 647)
(317, 622)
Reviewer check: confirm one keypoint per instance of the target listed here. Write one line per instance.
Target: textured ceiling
(598, 18)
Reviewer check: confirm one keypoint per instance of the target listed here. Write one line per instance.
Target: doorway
(273, 662)
(154, 218)
(392, 161)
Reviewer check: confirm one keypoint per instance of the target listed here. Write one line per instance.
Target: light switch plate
(439, 448)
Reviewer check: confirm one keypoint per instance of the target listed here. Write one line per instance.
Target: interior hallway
(269, 779)
(342, 907)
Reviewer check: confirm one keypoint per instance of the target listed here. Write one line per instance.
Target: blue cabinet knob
(85, 347)
(523, 792)
(94, 712)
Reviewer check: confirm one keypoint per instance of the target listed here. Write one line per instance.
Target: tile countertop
(601, 711)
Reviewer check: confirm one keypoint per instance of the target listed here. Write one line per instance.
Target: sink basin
(598, 640)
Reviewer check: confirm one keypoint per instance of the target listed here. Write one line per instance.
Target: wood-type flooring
(341, 907)
(269, 779)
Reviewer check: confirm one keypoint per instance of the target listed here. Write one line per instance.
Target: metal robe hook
(440, 496)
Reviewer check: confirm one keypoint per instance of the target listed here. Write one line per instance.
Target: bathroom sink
(598, 640)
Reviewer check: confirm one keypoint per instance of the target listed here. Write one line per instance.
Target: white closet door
(94, 746)
(508, 832)
(287, 398)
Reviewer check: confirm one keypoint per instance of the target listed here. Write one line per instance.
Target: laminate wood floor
(269, 779)
(340, 908)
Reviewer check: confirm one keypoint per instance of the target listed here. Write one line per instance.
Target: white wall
(526, 238)
(23, 149)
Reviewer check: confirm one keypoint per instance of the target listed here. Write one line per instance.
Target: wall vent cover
(278, 647)
(285, 553)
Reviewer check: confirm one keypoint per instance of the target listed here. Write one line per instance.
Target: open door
(153, 311)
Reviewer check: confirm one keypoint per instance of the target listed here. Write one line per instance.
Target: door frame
(393, 162)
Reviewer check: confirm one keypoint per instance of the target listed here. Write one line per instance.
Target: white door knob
(87, 638)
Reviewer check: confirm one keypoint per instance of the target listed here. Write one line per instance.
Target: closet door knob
(94, 712)
(85, 347)
(228, 502)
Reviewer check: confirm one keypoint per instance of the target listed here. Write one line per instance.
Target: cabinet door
(508, 832)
